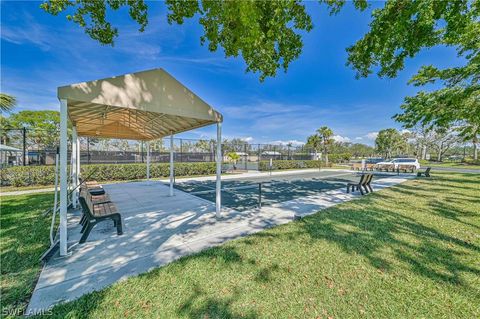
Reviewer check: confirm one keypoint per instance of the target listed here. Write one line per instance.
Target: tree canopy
(388, 141)
(7, 102)
(43, 126)
(268, 34)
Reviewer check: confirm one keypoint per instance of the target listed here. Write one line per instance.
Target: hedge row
(44, 175)
(290, 164)
(339, 158)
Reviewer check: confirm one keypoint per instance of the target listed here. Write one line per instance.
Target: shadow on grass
(383, 221)
(199, 305)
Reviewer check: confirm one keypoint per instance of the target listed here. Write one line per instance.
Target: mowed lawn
(452, 165)
(24, 236)
(412, 251)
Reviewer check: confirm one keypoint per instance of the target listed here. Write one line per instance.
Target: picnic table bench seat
(385, 167)
(406, 168)
(357, 166)
(360, 167)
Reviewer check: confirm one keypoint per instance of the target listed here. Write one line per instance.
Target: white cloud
(358, 138)
(371, 135)
(248, 139)
(292, 142)
(405, 131)
(339, 138)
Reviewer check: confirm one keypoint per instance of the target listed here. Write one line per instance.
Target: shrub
(290, 164)
(45, 175)
(339, 158)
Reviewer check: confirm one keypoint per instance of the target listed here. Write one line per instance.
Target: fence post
(259, 156)
(260, 195)
(24, 146)
(181, 150)
(212, 152)
(245, 156)
(88, 150)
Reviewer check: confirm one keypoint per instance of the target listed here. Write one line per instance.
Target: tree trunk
(475, 149)
(424, 152)
(439, 155)
(326, 155)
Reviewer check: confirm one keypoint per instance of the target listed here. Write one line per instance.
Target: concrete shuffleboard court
(254, 191)
(159, 228)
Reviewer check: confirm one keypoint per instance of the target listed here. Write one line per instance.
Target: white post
(171, 165)
(78, 167)
(63, 177)
(218, 199)
(74, 166)
(148, 161)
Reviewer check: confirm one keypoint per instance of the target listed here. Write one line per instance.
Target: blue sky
(40, 52)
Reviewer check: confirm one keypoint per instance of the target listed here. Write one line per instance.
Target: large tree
(361, 150)
(442, 139)
(266, 34)
(42, 126)
(388, 141)
(448, 107)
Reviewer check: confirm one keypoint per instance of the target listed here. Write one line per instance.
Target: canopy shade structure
(144, 105)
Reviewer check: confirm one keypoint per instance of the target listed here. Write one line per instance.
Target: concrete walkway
(159, 229)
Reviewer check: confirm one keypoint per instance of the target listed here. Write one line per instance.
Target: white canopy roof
(141, 106)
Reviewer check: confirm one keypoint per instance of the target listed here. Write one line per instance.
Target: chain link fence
(31, 147)
(36, 147)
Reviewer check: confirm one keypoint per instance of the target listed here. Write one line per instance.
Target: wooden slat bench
(95, 213)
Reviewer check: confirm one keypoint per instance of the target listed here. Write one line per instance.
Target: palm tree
(7, 102)
(325, 134)
(314, 142)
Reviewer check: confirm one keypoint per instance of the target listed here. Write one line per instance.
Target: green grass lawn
(451, 164)
(412, 251)
(24, 235)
